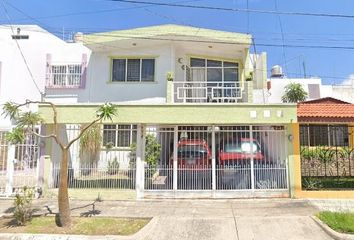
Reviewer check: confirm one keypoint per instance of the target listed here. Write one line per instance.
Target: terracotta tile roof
(326, 110)
(325, 100)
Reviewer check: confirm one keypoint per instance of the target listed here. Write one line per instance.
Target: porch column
(213, 161)
(10, 169)
(140, 159)
(175, 155)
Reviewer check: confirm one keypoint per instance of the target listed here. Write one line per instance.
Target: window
(66, 75)
(119, 135)
(213, 71)
(324, 135)
(133, 70)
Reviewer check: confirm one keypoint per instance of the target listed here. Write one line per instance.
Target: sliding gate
(225, 161)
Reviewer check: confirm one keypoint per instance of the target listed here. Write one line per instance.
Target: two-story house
(186, 122)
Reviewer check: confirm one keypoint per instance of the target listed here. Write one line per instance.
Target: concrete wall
(342, 92)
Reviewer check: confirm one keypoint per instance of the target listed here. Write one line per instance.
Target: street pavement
(253, 219)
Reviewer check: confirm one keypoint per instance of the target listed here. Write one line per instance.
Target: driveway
(211, 219)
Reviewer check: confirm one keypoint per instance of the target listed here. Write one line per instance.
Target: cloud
(349, 80)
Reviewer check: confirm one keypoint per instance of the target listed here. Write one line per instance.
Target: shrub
(113, 167)
(23, 206)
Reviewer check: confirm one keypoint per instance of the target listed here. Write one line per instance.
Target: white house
(313, 86)
(24, 56)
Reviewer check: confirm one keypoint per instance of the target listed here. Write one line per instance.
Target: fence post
(252, 159)
(140, 158)
(10, 169)
(175, 156)
(213, 161)
(44, 172)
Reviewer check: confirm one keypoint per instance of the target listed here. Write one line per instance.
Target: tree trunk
(63, 196)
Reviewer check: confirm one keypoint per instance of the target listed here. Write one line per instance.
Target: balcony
(204, 92)
(64, 76)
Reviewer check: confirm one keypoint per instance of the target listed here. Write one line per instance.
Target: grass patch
(340, 222)
(80, 225)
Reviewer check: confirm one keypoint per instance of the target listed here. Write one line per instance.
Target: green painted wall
(177, 113)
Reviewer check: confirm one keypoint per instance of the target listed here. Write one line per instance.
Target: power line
(225, 42)
(19, 48)
(282, 35)
(335, 15)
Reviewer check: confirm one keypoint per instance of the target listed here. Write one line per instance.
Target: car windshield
(192, 151)
(239, 147)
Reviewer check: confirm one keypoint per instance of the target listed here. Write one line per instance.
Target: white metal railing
(93, 176)
(193, 91)
(64, 76)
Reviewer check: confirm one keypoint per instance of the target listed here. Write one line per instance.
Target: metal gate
(18, 164)
(216, 159)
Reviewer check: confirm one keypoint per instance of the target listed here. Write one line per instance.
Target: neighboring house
(178, 84)
(26, 51)
(313, 86)
(326, 144)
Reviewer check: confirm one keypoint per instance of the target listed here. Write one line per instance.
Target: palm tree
(25, 122)
(294, 93)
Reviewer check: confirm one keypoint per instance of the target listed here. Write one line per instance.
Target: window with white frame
(68, 75)
(133, 70)
(119, 135)
(213, 70)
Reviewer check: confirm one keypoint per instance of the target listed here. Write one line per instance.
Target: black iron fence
(327, 157)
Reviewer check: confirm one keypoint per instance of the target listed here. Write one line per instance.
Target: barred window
(119, 135)
(133, 70)
(66, 75)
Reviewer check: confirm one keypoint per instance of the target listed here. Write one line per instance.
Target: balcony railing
(64, 76)
(192, 92)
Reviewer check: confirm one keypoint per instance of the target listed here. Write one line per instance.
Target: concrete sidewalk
(207, 219)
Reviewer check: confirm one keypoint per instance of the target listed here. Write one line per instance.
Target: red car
(238, 150)
(193, 153)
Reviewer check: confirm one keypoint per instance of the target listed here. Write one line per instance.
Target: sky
(333, 65)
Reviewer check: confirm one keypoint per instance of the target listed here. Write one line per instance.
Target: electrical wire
(335, 15)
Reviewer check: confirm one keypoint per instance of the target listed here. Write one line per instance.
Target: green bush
(152, 150)
(23, 206)
(113, 167)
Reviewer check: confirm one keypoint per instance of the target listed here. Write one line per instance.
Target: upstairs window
(66, 75)
(213, 70)
(133, 70)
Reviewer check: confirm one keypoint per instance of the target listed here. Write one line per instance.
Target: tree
(294, 93)
(25, 124)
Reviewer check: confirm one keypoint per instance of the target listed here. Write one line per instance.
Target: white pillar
(175, 155)
(213, 160)
(252, 159)
(140, 158)
(10, 169)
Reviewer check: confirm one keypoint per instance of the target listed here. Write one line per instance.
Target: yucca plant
(90, 146)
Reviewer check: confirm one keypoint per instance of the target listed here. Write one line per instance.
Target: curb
(335, 235)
